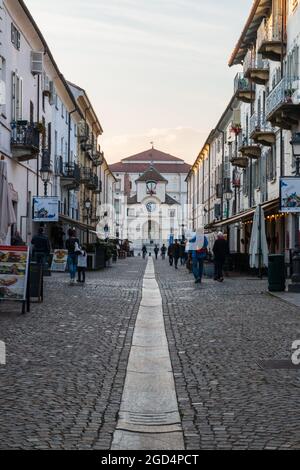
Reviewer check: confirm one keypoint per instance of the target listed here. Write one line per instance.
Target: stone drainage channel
(149, 417)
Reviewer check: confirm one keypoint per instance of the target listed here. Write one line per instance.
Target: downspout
(223, 163)
(69, 153)
(38, 120)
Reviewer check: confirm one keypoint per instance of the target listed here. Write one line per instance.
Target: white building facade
(250, 145)
(150, 198)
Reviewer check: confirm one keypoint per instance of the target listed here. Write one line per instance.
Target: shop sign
(290, 194)
(14, 263)
(45, 209)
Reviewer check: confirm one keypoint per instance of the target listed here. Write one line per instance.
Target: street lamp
(88, 206)
(228, 196)
(46, 174)
(295, 286)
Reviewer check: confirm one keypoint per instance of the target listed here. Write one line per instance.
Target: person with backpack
(198, 256)
(82, 265)
(72, 245)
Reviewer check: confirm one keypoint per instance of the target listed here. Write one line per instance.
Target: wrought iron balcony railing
(282, 94)
(25, 133)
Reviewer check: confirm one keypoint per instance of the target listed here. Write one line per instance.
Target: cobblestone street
(67, 360)
(217, 335)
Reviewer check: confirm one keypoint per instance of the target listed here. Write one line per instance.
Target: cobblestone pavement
(67, 359)
(217, 335)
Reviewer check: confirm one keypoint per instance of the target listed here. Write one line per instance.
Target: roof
(259, 10)
(163, 168)
(90, 108)
(152, 155)
(152, 175)
(169, 200)
(49, 53)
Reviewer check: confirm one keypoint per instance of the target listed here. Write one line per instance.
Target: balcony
(248, 148)
(239, 161)
(98, 190)
(88, 178)
(271, 38)
(281, 108)
(261, 131)
(25, 140)
(97, 158)
(243, 89)
(69, 174)
(256, 68)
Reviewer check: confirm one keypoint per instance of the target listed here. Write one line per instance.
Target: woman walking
(72, 245)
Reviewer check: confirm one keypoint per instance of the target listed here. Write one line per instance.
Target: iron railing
(259, 123)
(270, 30)
(281, 94)
(241, 83)
(24, 133)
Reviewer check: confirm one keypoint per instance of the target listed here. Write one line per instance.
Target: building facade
(151, 196)
(49, 134)
(250, 148)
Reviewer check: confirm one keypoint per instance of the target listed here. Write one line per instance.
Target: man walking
(41, 247)
(171, 254)
(176, 253)
(144, 250)
(163, 252)
(198, 257)
(220, 251)
(156, 251)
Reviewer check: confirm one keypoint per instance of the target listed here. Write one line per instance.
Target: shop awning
(248, 214)
(76, 223)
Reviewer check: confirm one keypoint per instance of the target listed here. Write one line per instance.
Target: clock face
(151, 206)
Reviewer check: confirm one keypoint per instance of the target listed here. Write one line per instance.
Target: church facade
(151, 197)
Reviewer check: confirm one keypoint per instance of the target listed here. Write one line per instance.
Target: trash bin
(276, 273)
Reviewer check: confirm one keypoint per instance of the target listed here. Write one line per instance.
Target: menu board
(14, 261)
(60, 260)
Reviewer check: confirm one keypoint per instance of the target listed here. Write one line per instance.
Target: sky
(155, 70)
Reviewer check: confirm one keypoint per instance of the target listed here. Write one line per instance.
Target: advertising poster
(59, 262)
(13, 272)
(45, 209)
(290, 194)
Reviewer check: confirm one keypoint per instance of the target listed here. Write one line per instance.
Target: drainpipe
(69, 153)
(223, 163)
(38, 120)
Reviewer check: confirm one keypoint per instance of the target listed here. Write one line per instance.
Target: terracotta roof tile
(152, 155)
(163, 168)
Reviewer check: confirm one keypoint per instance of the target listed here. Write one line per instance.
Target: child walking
(82, 265)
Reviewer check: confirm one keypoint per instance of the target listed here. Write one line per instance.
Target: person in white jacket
(82, 265)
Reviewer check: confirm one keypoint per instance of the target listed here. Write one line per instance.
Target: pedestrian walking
(198, 257)
(163, 252)
(41, 247)
(82, 265)
(220, 251)
(176, 253)
(171, 254)
(72, 245)
(182, 253)
(144, 251)
(156, 251)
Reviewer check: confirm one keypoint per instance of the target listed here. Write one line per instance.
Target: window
(2, 85)
(271, 164)
(62, 111)
(17, 97)
(15, 37)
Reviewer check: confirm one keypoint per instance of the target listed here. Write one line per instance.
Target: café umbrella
(258, 244)
(7, 214)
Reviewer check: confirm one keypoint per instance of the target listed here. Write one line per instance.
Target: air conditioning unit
(37, 59)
